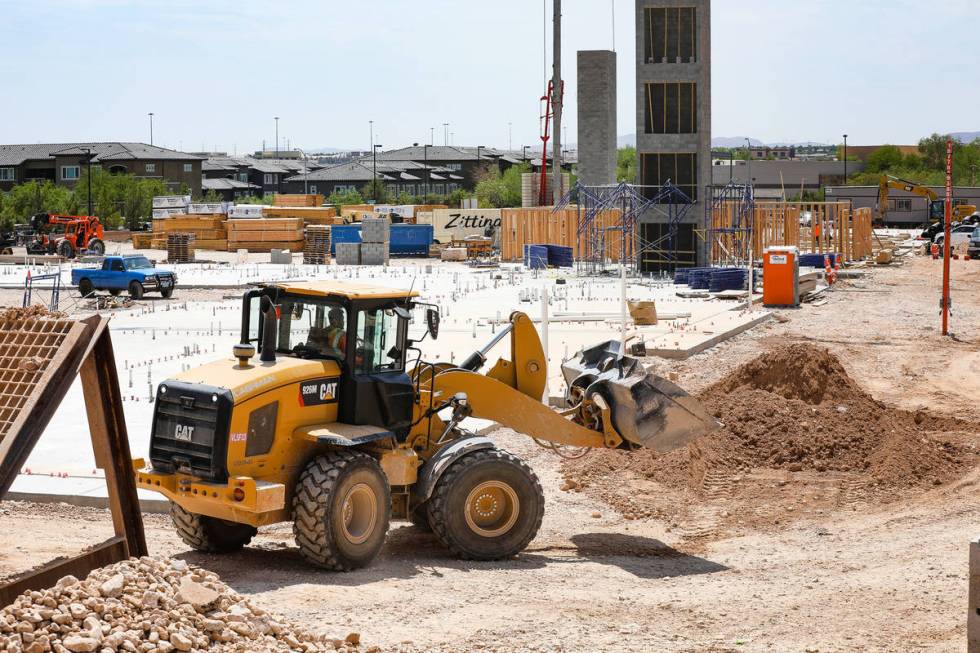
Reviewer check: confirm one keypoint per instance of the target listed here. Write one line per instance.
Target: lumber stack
(316, 249)
(208, 230)
(142, 240)
(283, 199)
(542, 226)
(265, 234)
(308, 214)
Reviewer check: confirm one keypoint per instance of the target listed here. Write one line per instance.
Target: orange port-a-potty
(781, 276)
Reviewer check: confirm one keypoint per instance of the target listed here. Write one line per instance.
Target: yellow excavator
(936, 205)
(319, 418)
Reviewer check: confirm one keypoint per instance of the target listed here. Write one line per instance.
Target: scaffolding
(728, 218)
(608, 219)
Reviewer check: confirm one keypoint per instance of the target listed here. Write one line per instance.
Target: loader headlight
(163, 389)
(214, 399)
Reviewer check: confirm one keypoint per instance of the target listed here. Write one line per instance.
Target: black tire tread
(199, 532)
(311, 501)
(437, 504)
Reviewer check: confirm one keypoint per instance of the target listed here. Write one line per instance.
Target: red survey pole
(946, 229)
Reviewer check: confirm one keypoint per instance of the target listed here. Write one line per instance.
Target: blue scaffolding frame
(729, 241)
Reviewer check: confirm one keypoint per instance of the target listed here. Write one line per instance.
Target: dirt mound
(792, 409)
(796, 371)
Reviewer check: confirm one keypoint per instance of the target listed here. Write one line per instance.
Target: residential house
(62, 163)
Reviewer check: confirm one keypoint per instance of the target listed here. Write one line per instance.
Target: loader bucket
(647, 410)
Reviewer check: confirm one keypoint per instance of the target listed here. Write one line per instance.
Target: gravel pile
(151, 605)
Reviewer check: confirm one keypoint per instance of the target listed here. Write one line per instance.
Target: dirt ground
(815, 564)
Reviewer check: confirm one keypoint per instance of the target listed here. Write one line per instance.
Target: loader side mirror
(432, 322)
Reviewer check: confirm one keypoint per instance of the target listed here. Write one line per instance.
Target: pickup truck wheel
(85, 287)
(136, 290)
(488, 505)
(167, 293)
(341, 510)
(210, 534)
(115, 292)
(96, 246)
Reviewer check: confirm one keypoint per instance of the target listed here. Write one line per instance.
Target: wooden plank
(110, 441)
(111, 551)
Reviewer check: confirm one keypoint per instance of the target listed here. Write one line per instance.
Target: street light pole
(432, 132)
(371, 123)
(151, 127)
(277, 137)
(524, 153)
(510, 136)
(374, 189)
(845, 159)
(88, 173)
(425, 154)
(445, 133)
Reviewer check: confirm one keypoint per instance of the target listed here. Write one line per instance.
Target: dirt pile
(795, 408)
(150, 604)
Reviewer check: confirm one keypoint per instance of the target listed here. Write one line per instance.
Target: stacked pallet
(308, 214)
(265, 234)
(542, 226)
(208, 230)
(142, 240)
(180, 248)
(282, 199)
(316, 250)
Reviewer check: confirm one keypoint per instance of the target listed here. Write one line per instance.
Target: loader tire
(488, 505)
(341, 510)
(210, 534)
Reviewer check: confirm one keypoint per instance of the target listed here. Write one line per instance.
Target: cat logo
(183, 433)
(316, 392)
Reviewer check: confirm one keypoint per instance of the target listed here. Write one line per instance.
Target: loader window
(312, 329)
(380, 334)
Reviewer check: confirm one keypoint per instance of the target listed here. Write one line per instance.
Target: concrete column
(596, 117)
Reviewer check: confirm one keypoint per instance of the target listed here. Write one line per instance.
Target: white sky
(215, 73)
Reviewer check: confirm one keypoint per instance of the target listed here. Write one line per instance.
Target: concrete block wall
(596, 117)
(375, 230)
(698, 72)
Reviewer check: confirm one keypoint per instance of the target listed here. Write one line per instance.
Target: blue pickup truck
(134, 274)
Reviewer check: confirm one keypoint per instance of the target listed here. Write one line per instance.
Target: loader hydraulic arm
(510, 392)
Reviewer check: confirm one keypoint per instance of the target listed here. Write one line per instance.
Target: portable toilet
(781, 276)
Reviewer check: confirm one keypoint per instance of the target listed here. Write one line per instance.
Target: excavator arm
(613, 401)
(888, 182)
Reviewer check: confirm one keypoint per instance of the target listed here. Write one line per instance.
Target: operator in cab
(336, 336)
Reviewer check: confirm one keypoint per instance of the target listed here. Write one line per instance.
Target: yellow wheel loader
(326, 416)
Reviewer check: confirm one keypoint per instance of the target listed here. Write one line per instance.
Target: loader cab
(363, 328)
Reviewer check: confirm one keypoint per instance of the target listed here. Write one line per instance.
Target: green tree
(348, 197)
(626, 165)
(885, 158)
(495, 190)
(376, 190)
(932, 149)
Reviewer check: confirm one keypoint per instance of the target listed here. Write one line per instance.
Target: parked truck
(133, 274)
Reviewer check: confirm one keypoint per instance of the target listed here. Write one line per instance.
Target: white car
(958, 234)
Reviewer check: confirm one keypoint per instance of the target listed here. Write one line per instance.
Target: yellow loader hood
(257, 377)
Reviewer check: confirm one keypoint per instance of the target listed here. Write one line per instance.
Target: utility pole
(151, 127)
(944, 303)
(510, 136)
(556, 104)
(277, 137)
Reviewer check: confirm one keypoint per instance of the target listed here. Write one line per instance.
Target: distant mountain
(733, 141)
(965, 137)
(799, 144)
